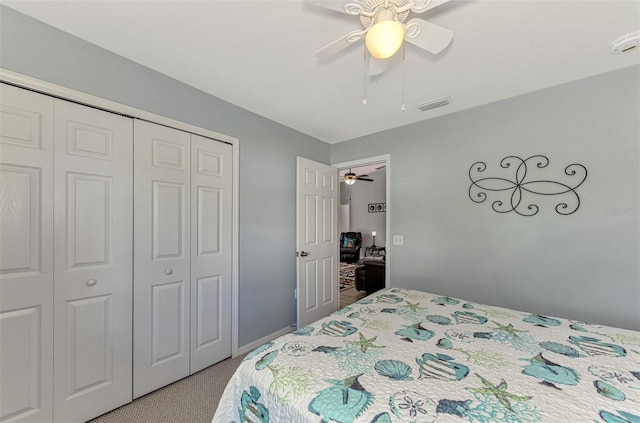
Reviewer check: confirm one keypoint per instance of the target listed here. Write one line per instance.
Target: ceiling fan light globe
(350, 178)
(384, 39)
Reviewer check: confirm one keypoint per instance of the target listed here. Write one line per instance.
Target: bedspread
(408, 356)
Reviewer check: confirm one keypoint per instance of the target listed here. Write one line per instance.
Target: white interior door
(211, 185)
(93, 195)
(317, 246)
(162, 256)
(26, 255)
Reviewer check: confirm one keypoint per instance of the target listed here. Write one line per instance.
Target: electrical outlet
(398, 240)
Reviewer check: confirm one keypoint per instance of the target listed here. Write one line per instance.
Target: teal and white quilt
(408, 356)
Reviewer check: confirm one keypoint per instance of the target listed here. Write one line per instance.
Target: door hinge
(295, 294)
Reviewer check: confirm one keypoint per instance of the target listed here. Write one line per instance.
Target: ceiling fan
(385, 28)
(350, 178)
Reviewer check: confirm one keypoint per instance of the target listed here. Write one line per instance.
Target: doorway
(364, 209)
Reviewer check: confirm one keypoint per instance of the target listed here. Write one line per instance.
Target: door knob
(92, 282)
(168, 272)
(303, 254)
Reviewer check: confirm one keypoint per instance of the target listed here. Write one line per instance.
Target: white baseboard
(255, 344)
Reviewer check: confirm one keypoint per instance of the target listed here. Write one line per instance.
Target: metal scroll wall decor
(517, 191)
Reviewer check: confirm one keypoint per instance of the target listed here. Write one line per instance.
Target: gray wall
(267, 153)
(584, 266)
(362, 193)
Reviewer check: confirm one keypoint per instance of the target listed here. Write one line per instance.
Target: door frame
(64, 93)
(386, 159)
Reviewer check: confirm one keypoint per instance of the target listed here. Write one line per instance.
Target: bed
(408, 356)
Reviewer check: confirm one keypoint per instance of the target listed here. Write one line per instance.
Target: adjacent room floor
(350, 296)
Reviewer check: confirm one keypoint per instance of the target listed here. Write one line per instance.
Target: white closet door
(93, 261)
(26, 255)
(162, 256)
(211, 185)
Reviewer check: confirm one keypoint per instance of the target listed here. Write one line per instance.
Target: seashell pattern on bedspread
(408, 356)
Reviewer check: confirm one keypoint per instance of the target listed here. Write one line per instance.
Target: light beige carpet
(191, 400)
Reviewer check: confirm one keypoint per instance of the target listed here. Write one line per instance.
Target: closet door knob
(92, 282)
(168, 272)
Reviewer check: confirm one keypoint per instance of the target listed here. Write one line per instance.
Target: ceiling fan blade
(421, 6)
(427, 36)
(353, 7)
(340, 44)
(365, 179)
(377, 66)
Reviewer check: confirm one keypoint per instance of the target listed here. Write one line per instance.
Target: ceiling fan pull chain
(403, 108)
(364, 76)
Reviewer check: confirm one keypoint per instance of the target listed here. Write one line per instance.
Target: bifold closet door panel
(93, 195)
(162, 256)
(26, 255)
(211, 222)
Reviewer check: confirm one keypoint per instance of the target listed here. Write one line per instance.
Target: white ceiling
(367, 169)
(259, 55)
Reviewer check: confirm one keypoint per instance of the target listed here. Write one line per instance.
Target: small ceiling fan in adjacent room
(350, 178)
(385, 28)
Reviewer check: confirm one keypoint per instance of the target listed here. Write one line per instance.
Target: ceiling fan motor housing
(385, 29)
(385, 15)
(373, 10)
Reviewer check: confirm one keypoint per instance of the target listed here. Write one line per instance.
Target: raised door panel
(89, 350)
(329, 278)
(329, 282)
(168, 220)
(311, 284)
(26, 255)
(168, 337)
(209, 212)
(93, 262)
(89, 220)
(162, 251)
(21, 215)
(311, 213)
(20, 364)
(211, 193)
(22, 121)
(208, 310)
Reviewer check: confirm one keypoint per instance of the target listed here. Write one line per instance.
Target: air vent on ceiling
(438, 102)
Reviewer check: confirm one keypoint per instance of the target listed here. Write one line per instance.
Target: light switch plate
(398, 240)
